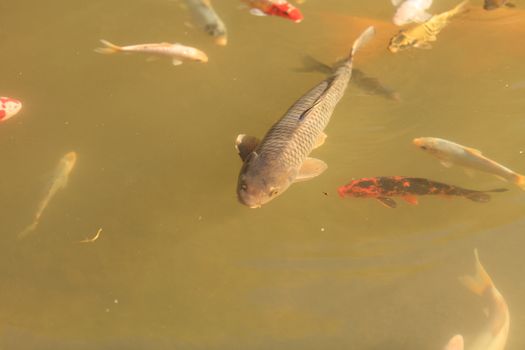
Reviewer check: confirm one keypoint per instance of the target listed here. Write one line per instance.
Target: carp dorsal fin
(387, 202)
(474, 151)
(320, 140)
(312, 98)
(245, 144)
(311, 167)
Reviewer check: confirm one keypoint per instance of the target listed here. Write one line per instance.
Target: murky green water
(180, 264)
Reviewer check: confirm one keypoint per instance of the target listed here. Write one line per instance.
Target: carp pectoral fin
(176, 62)
(245, 144)
(257, 12)
(411, 200)
(455, 343)
(387, 202)
(423, 45)
(311, 168)
(320, 140)
(446, 163)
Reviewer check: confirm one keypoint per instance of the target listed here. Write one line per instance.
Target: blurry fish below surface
(450, 153)
(177, 52)
(280, 8)
(59, 181)
(9, 107)
(206, 16)
(408, 188)
(411, 11)
(270, 166)
(494, 4)
(422, 34)
(360, 79)
(494, 336)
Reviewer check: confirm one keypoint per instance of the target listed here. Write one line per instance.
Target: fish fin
(455, 343)
(28, 230)
(221, 40)
(245, 145)
(304, 114)
(422, 17)
(176, 62)
(423, 45)
(320, 140)
(109, 49)
(387, 202)
(311, 167)
(469, 172)
(498, 190)
(473, 151)
(446, 163)
(481, 281)
(396, 3)
(479, 197)
(520, 181)
(411, 199)
(257, 12)
(310, 64)
(364, 38)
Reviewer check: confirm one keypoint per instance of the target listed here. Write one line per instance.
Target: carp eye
(244, 187)
(273, 192)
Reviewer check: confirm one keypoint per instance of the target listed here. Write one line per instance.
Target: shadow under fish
(368, 84)
(408, 188)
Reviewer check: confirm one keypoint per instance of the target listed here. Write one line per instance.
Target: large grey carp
(270, 166)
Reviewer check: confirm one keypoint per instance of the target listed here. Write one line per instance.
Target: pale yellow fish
(422, 34)
(177, 52)
(494, 335)
(58, 182)
(450, 153)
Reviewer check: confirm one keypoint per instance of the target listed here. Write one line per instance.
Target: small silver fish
(58, 182)
(177, 52)
(206, 16)
(494, 336)
(450, 153)
(270, 166)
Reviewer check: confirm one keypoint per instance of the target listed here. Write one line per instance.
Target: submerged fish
(382, 188)
(58, 182)
(360, 79)
(450, 153)
(420, 35)
(280, 8)
(494, 4)
(206, 16)
(494, 336)
(411, 11)
(176, 52)
(9, 107)
(270, 166)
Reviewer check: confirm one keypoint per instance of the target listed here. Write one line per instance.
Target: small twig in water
(91, 240)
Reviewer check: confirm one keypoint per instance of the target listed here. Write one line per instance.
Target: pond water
(180, 263)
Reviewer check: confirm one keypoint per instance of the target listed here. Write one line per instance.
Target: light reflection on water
(189, 266)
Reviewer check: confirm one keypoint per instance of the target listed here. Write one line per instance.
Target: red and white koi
(9, 107)
(280, 8)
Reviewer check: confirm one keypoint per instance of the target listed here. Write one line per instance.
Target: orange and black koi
(382, 188)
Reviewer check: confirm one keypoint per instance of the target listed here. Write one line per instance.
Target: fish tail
(481, 281)
(341, 190)
(109, 49)
(520, 181)
(364, 38)
(28, 230)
